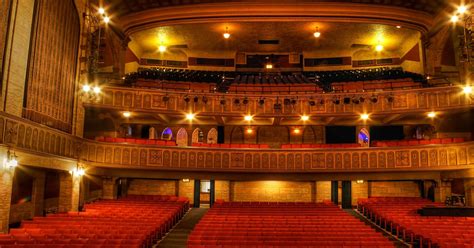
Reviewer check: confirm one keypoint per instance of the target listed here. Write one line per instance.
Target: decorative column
(469, 191)
(6, 184)
(212, 195)
(69, 192)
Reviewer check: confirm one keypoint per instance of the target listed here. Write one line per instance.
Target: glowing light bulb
(462, 9)
(248, 118)
(190, 116)
(317, 34)
(162, 48)
(249, 130)
(226, 35)
(364, 116)
(296, 131)
(126, 114)
(454, 18)
(467, 89)
(304, 117)
(106, 19)
(101, 11)
(86, 88)
(432, 114)
(379, 48)
(269, 66)
(96, 90)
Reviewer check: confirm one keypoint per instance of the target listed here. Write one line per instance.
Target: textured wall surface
(272, 191)
(394, 189)
(152, 187)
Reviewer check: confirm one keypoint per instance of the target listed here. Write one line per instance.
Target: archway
(308, 136)
(167, 134)
(198, 136)
(212, 136)
(237, 135)
(182, 137)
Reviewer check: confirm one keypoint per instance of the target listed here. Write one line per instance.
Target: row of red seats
(399, 216)
(375, 85)
(415, 142)
(137, 221)
(266, 224)
(255, 146)
(137, 141)
(292, 146)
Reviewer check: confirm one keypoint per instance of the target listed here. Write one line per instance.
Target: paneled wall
(394, 189)
(52, 65)
(152, 187)
(273, 191)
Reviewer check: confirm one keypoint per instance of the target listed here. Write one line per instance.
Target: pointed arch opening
(167, 134)
(212, 136)
(182, 137)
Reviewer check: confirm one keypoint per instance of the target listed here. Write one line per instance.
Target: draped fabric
(49, 97)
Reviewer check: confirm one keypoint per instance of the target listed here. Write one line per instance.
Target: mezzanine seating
(136, 221)
(254, 146)
(317, 146)
(137, 141)
(264, 224)
(375, 85)
(398, 215)
(415, 142)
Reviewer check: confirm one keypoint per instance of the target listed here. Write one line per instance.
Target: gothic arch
(167, 134)
(197, 136)
(212, 136)
(237, 135)
(182, 137)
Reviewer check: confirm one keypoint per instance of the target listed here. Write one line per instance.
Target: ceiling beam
(391, 118)
(163, 119)
(219, 119)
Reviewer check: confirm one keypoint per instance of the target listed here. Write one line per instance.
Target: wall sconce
(10, 162)
(78, 171)
(185, 180)
(360, 181)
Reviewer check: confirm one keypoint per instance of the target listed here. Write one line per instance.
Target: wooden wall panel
(52, 68)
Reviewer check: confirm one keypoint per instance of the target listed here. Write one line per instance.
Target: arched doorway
(167, 134)
(198, 136)
(237, 136)
(308, 136)
(182, 137)
(212, 136)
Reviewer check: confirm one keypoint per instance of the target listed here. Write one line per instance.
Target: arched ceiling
(124, 7)
(336, 38)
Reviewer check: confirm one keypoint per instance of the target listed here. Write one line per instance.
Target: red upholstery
(136, 221)
(337, 146)
(264, 224)
(398, 215)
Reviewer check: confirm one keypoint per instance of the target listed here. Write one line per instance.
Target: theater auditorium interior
(236, 123)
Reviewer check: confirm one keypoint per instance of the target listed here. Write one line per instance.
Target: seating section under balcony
(282, 82)
(416, 142)
(317, 146)
(263, 224)
(136, 221)
(399, 216)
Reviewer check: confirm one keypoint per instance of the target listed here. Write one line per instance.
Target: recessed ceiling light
(162, 48)
(398, 26)
(379, 48)
(364, 117)
(126, 114)
(454, 18)
(304, 117)
(248, 118)
(190, 116)
(467, 89)
(432, 114)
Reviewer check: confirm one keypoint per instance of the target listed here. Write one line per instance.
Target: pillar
(469, 191)
(6, 185)
(334, 192)
(346, 194)
(212, 195)
(38, 193)
(69, 192)
(109, 188)
(197, 193)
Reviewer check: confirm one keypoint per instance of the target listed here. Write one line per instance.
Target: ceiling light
(462, 9)
(162, 48)
(360, 181)
(248, 118)
(296, 130)
(364, 117)
(226, 34)
(467, 89)
(186, 180)
(432, 114)
(317, 34)
(249, 130)
(304, 118)
(126, 114)
(101, 11)
(454, 18)
(379, 48)
(106, 19)
(269, 66)
(190, 116)
(86, 88)
(96, 89)
(398, 26)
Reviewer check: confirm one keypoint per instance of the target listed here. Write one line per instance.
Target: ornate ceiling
(124, 7)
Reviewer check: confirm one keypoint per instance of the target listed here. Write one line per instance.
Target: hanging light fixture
(78, 171)
(10, 162)
(317, 34)
(226, 34)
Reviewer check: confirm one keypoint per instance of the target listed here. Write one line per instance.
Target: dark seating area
(244, 82)
(136, 221)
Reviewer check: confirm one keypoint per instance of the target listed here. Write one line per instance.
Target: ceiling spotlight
(190, 116)
(390, 99)
(269, 66)
(226, 34)
(162, 48)
(293, 101)
(467, 89)
(277, 106)
(196, 99)
(364, 117)
(432, 114)
(96, 89)
(379, 48)
(245, 101)
(101, 11)
(312, 103)
(126, 114)
(454, 18)
(317, 34)
(86, 88)
(187, 99)
(462, 9)
(106, 19)
(304, 118)
(398, 26)
(321, 101)
(236, 101)
(248, 118)
(374, 99)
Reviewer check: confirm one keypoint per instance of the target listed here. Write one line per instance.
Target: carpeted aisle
(179, 234)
